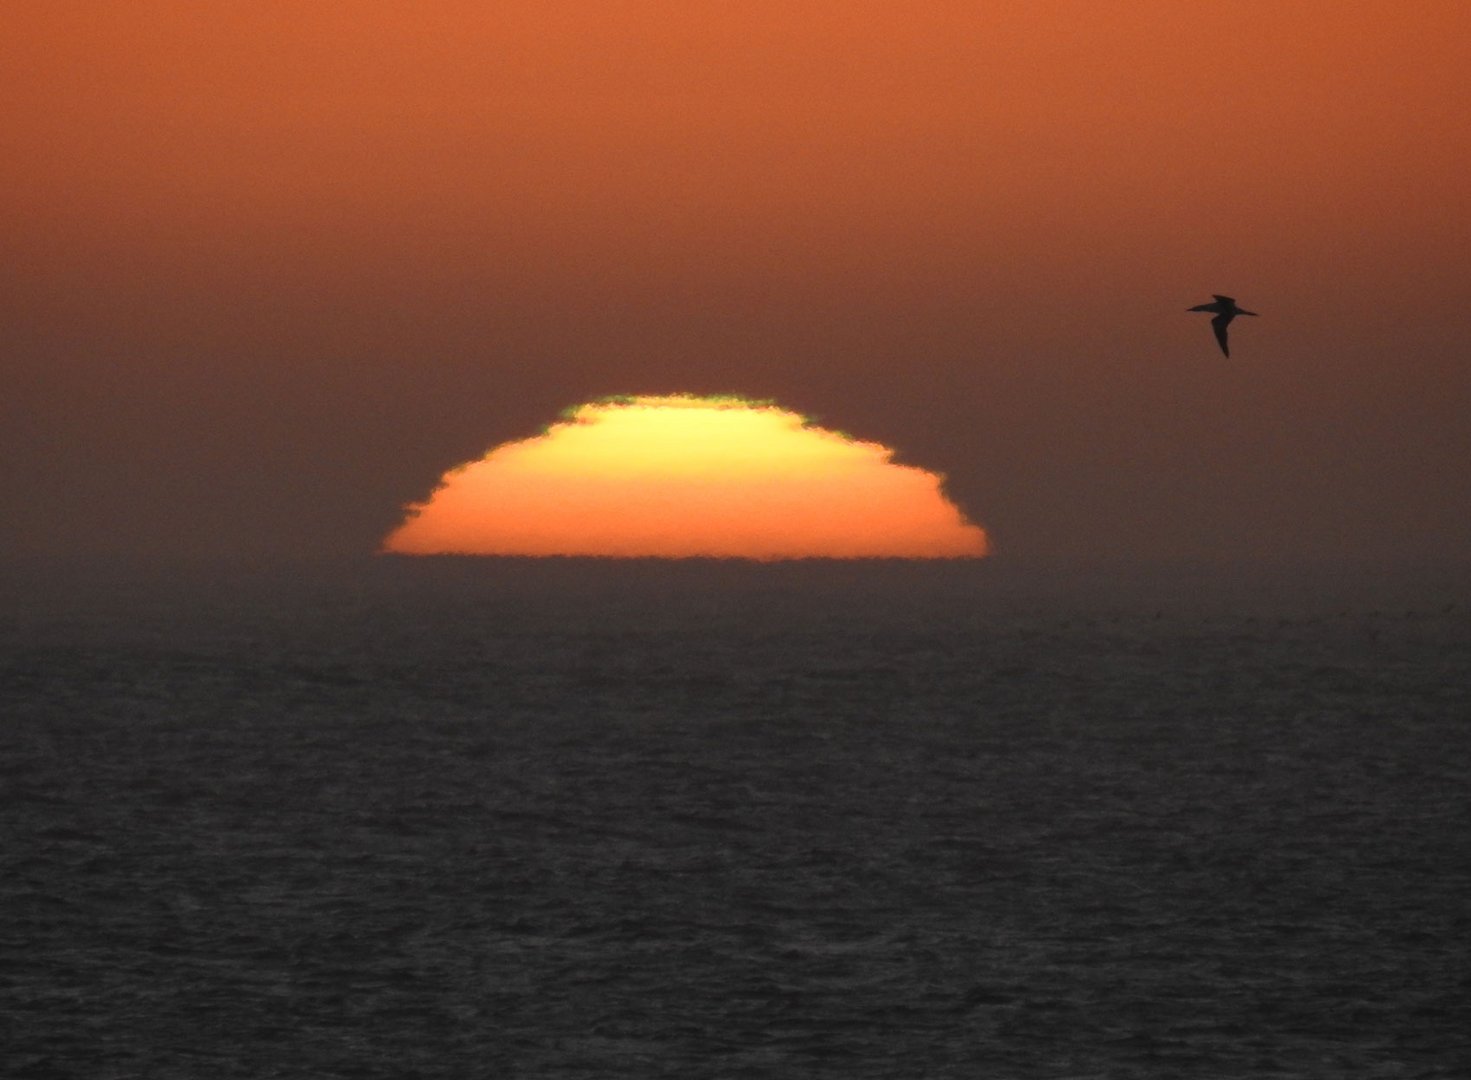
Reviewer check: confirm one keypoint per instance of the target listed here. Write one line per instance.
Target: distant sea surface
(508, 818)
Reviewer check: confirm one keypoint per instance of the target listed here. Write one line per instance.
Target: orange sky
(173, 118)
(271, 266)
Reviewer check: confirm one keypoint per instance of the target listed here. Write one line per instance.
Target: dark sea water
(463, 818)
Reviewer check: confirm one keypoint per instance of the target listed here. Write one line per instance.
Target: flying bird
(1226, 310)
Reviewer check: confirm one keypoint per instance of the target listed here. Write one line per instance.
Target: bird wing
(1224, 299)
(1219, 324)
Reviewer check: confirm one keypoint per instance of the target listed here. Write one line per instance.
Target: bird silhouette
(1226, 310)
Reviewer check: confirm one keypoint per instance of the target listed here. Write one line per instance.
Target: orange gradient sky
(679, 476)
(270, 265)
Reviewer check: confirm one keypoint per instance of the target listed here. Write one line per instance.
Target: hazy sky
(271, 267)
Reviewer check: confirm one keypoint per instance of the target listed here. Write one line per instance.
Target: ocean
(578, 818)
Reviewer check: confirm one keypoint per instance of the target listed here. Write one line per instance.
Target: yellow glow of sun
(678, 476)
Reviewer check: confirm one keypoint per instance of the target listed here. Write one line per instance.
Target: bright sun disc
(680, 476)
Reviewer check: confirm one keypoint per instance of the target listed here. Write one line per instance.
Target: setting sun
(679, 476)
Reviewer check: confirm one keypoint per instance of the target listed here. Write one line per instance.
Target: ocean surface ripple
(699, 821)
